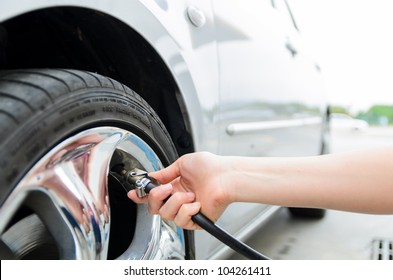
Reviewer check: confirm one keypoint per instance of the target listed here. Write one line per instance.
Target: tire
(61, 131)
(307, 213)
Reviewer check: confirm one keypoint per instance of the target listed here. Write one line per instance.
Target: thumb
(167, 174)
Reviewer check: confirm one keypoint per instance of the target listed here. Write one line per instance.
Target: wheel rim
(68, 190)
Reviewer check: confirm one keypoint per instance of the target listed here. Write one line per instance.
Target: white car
(344, 122)
(89, 85)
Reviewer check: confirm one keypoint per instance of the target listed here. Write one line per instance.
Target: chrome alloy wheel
(68, 197)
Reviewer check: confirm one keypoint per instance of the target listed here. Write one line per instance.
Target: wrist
(226, 175)
(235, 177)
(255, 179)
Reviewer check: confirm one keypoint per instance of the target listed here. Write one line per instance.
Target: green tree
(378, 115)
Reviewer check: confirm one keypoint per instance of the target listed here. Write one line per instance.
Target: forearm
(359, 181)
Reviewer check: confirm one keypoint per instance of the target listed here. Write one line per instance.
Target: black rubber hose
(205, 223)
(238, 246)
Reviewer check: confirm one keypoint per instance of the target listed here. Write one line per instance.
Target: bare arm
(357, 181)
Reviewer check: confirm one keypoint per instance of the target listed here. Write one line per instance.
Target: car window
(283, 8)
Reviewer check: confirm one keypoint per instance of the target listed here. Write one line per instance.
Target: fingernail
(190, 195)
(166, 187)
(196, 204)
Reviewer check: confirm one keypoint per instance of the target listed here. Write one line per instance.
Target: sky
(352, 40)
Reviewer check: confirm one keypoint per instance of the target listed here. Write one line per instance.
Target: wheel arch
(88, 39)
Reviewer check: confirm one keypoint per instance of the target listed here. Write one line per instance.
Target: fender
(185, 49)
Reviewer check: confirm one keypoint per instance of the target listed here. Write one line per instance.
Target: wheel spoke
(73, 182)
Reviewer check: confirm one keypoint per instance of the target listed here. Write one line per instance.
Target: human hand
(196, 182)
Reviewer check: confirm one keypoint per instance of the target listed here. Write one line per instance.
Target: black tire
(307, 213)
(40, 108)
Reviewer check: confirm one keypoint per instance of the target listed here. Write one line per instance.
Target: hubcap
(68, 190)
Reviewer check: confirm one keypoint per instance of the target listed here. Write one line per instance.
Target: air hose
(238, 246)
(140, 181)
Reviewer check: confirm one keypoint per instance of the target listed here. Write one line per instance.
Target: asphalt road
(339, 235)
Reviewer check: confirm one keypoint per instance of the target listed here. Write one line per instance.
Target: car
(88, 86)
(344, 122)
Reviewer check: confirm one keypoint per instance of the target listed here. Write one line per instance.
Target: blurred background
(353, 42)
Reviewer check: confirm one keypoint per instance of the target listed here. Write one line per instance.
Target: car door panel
(270, 93)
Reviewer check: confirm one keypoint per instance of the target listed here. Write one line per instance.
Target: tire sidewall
(74, 113)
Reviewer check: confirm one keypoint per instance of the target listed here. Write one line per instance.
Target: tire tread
(39, 88)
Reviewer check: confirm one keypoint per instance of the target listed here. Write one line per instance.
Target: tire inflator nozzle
(136, 179)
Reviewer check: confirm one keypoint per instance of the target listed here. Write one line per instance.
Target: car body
(344, 122)
(228, 77)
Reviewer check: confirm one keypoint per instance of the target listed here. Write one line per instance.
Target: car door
(269, 91)
(270, 99)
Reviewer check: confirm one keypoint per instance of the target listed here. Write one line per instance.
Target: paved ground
(338, 236)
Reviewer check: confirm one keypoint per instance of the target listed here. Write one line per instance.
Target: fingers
(170, 209)
(134, 197)
(157, 196)
(180, 207)
(183, 217)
